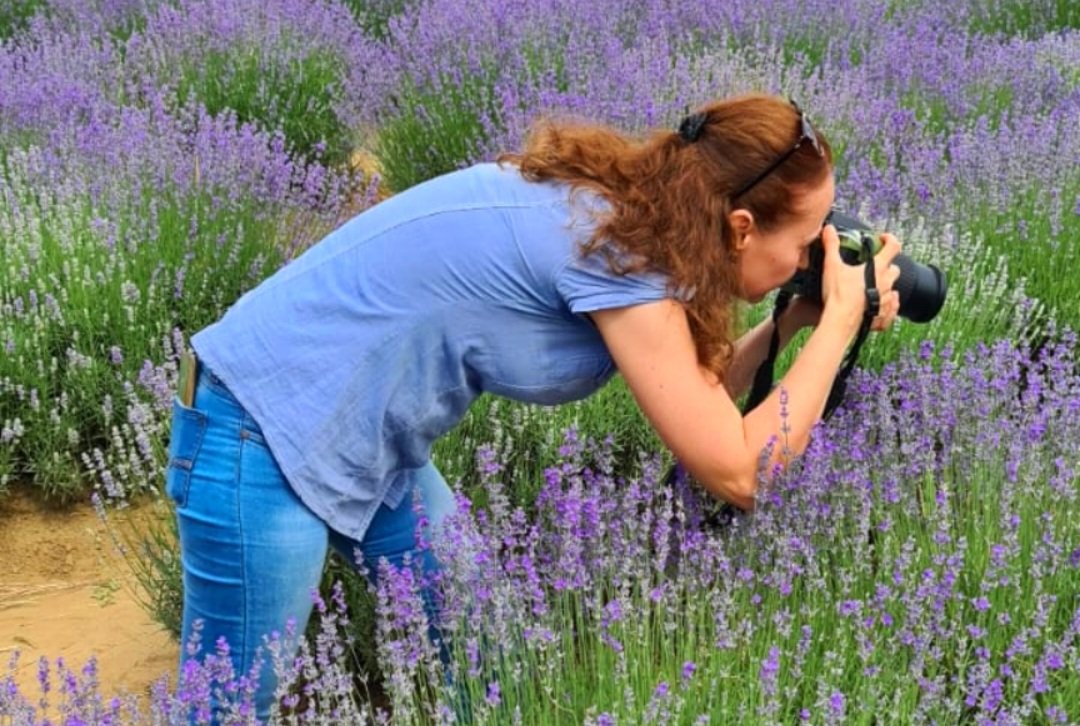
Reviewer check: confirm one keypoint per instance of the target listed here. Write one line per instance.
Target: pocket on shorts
(185, 440)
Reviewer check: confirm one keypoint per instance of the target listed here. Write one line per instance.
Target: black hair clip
(691, 126)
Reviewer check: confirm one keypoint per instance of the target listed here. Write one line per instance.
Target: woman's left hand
(807, 314)
(889, 307)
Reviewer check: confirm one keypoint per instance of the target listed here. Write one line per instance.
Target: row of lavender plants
(227, 128)
(918, 564)
(158, 158)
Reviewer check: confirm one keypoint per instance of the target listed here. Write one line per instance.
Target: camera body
(922, 288)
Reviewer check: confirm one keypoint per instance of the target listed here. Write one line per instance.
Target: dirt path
(64, 593)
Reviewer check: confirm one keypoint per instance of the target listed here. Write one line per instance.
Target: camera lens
(922, 289)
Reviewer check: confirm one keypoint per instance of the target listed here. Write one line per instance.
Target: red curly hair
(669, 198)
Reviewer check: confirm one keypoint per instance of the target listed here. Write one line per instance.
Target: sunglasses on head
(806, 134)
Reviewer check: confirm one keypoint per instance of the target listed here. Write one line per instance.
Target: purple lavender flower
(770, 668)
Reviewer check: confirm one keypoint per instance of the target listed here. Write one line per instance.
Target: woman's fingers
(886, 256)
(888, 274)
(892, 275)
(888, 312)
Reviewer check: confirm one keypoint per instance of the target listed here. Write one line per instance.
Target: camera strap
(763, 378)
(873, 307)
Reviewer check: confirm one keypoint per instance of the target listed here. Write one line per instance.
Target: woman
(320, 392)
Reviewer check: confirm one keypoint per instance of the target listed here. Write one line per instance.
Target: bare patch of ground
(64, 593)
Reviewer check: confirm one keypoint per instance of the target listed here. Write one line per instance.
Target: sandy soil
(64, 592)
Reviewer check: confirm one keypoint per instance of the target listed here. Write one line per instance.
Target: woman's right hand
(843, 286)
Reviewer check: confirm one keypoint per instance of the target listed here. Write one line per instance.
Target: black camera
(921, 287)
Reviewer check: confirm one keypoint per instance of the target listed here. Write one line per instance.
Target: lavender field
(919, 564)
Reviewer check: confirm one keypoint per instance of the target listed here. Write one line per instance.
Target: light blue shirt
(354, 357)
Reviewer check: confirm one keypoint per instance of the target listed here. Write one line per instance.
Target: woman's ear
(742, 222)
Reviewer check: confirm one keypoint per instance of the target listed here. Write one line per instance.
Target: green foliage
(374, 16)
(362, 620)
(527, 438)
(1036, 234)
(545, 59)
(295, 96)
(1025, 18)
(100, 304)
(14, 15)
(146, 540)
(434, 131)
(809, 48)
(991, 103)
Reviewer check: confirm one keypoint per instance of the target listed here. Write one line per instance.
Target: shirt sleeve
(588, 283)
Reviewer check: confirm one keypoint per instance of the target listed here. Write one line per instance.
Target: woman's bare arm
(694, 414)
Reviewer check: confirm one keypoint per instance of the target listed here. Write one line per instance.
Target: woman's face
(767, 260)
